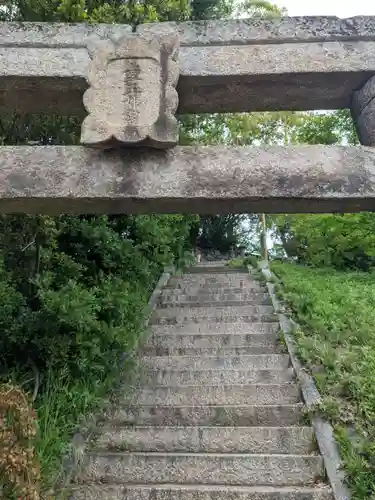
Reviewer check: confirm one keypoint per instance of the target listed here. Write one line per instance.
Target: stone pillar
(363, 112)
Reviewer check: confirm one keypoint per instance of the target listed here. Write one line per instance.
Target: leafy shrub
(87, 303)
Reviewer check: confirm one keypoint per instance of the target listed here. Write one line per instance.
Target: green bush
(86, 305)
(344, 241)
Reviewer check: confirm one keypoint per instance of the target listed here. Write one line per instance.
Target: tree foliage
(74, 288)
(337, 240)
(220, 232)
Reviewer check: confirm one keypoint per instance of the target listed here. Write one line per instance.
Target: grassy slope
(336, 312)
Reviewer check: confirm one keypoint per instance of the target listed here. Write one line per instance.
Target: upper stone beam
(244, 65)
(75, 179)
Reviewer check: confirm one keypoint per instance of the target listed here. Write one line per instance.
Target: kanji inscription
(132, 98)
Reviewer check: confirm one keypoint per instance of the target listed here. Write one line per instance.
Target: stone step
(204, 328)
(214, 262)
(215, 377)
(268, 394)
(214, 415)
(211, 341)
(212, 351)
(244, 283)
(231, 293)
(215, 289)
(268, 440)
(203, 312)
(244, 314)
(214, 277)
(199, 492)
(213, 303)
(159, 319)
(215, 269)
(260, 299)
(202, 297)
(199, 468)
(210, 273)
(250, 362)
(191, 288)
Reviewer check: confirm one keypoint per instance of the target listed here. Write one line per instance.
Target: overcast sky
(340, 8)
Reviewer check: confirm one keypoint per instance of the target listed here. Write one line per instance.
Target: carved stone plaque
(132, 97)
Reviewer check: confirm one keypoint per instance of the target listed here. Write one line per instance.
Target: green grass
(64, 408)
(237, 262)
(60, 408)
(241, 262)
(336, 313)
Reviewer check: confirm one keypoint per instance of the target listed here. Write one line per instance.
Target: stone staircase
(218, 414)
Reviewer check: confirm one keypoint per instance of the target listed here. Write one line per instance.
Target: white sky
(340, 8)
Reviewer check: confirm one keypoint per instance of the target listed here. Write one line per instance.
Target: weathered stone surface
(214, 415)
(231, 469)
(186, 492)
(365, 125)
(57, 179)
(237, 31)
(363, 112)
(132, 98)
(239, 395)
(262, 31)
(204, 272)
(219, 328)
(211, 341)
(281, 440)
(363, 96)
(213, 318)
(212, 268)
(44, 65)
(235, 284)
(203, 313)
(256, 361)
(258, 77)
(248, 65)
(204, 299)
(225, 377)
(204, 302)
(190, 289)
(237, 314)
(219, 283)
(68, 35)
(212, 351)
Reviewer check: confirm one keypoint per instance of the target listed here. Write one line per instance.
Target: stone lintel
(254, 31)
(75, 179)
(230, 65)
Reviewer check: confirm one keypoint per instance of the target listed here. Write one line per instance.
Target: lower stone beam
(74, 179)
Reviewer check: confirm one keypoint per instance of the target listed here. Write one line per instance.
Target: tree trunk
(263, 237)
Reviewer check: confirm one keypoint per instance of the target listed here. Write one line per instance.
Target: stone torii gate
(132, 84)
